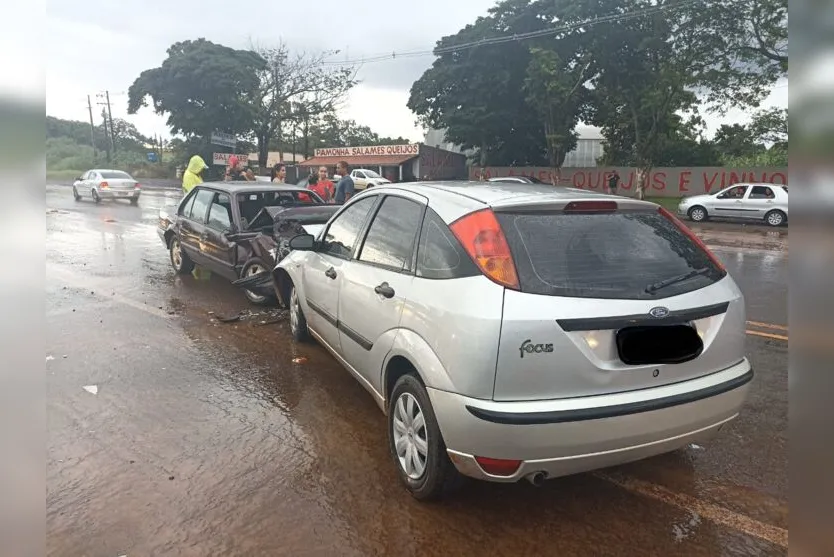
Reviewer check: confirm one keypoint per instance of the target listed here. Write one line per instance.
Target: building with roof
(398, 163)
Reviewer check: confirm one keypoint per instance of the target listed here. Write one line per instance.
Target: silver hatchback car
(763, 202)
(515, 331)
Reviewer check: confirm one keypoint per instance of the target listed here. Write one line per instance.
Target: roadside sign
(222, 159)
(223, 139)
(152, 157)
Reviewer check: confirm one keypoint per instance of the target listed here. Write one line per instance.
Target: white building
(588, 147)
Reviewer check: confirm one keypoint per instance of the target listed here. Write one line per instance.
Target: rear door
(218, 251)
(193, 225)
(323, 270)
(760, 200)
(588, 280)
(376, 284)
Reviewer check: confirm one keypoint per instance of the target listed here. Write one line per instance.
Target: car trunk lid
(613, 296)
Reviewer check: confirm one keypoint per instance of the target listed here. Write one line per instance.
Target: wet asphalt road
(207, 438)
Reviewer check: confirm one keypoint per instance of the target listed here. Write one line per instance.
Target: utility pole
(110, 115)
(92, 127)
(106, 133)
(105, 115)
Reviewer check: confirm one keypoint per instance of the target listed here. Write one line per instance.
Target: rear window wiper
(655, 286)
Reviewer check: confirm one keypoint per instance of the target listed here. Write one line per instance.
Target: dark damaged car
(240, 230)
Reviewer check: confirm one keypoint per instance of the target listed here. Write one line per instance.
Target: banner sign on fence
(661, 182)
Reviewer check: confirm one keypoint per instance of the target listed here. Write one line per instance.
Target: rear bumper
(118, 194)
(568, 436)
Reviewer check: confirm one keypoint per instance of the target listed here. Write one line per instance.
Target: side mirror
(303, 242)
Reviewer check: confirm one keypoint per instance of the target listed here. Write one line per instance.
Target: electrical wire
(612, 18)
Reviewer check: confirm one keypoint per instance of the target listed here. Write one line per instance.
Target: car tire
(438, 476)
(775, 218)
(698, 214)
(75, 194)
(298, 323)
(180, 261)
(252, 267)
(95, 195)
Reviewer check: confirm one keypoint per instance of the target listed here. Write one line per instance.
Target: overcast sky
(93, 45)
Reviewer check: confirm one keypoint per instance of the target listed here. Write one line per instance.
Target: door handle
(330, 273)
(384, 290)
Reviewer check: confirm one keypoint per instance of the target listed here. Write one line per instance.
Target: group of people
(324, 187)
(236, 171)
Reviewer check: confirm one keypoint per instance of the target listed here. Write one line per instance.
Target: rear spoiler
(592, 203)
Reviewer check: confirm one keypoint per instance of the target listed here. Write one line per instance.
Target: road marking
(719, 515)
(767, 335)
(767, 325)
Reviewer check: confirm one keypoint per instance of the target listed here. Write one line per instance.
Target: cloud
(93, 45)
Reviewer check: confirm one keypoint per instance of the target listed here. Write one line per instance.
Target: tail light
(136, 186)
(498, 466)
(104, 185)
(692, 236)
(482, 238)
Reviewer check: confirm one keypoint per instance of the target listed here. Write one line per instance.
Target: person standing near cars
(235, 172)
(193, 175)
(323, 186)
(613, 182)
(279, 173)
(345, 187)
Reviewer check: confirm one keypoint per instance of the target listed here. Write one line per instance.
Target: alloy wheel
(410, 436)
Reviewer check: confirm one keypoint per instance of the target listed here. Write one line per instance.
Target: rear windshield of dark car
(251, 203)
(604, 255)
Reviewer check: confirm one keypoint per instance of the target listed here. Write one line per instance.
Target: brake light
(104, 185)
(498, 466)
(136, 186)
(482, 238)
(692, 236)
(591, 207)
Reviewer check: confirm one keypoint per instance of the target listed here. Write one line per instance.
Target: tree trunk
(306, 138)
(263, 149)
(642, 178)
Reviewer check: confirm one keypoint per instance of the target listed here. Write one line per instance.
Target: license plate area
(658, 344)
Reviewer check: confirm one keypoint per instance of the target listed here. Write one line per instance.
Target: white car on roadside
(364, 178)
(762, 202)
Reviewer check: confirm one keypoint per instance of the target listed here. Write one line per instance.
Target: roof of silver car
(497, 192)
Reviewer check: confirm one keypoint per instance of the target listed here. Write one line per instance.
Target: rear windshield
(604, 255)
(115, 175)
(251, 203)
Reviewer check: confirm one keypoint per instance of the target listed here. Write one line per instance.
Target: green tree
(477, 94)
(202, 87)
(293, 90)
(555, 89)
(652, 67)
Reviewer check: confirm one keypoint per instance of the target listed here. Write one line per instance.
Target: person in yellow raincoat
(193, 174)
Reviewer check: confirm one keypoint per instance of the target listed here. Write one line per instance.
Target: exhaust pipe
(537, 478)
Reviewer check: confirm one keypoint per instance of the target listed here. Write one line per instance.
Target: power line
(514, 37)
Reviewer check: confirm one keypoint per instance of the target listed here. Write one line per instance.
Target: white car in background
(364, 178)
(767, 202)
(100, 183)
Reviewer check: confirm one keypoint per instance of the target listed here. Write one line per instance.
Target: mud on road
(207, 438)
